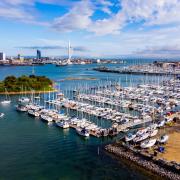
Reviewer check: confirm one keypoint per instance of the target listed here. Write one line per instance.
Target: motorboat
(161, 123)
(24, 100)
(141, 137)
(63, 124)
(82, 132)
(163, 139)
(6, 102)
(130, 137)
(33, 113)
(148, 143)
(1, 115)
(153, 132)
(141, 131)
(21, 108)
(46, 118)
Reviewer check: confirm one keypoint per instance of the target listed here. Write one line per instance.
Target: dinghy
(163, 139)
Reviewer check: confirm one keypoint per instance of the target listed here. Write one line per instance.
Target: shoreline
(157, 166)
(28, 92)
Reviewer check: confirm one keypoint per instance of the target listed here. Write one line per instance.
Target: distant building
(38, 54)
(20, 58)
(2, 56)
(98, 61)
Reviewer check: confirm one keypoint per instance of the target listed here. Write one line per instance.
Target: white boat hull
(148, 143)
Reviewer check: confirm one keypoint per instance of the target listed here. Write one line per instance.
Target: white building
(2, 56)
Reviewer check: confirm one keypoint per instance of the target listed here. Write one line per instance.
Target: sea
(31, 149)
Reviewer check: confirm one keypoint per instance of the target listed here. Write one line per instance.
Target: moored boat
(46, 118)
(63, 124)
(153, 132)
(130, 137)
(1, 115)
(82, 132)
(6, 102)
(33, 113)
(163, 139)
(148, 143)
(141, 137)
(21, 108)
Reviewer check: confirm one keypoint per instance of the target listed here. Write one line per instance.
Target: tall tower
(38, 55)
(2, 56)
(69, 53)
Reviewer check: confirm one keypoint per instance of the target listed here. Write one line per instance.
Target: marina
(90, 90)
(103, 111)
(155, 68)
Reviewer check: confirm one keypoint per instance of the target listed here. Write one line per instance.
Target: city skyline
(96, 28)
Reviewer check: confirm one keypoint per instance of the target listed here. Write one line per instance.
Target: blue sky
(97, 28)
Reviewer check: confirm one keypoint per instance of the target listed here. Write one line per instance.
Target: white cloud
(112, 25)
(153, 12)
(77, 18)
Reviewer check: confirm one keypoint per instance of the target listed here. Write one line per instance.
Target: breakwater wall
(122, 71)
(160, 167)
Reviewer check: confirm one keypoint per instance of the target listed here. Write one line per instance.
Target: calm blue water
(31, 149)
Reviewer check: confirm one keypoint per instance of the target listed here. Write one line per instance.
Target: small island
(26, 84)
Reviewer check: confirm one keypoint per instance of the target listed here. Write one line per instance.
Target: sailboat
(148, 143)
(7, 99)
(1, 115)
(129, 137)
(82, 132)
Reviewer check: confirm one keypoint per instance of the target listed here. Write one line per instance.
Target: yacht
(141, 137)
(24, 100)
(6, 102)
(63, 124)
(46, 118)
(130, 137)
(33, 113)
(161, 123)
(21, 108)
(82, 132)
(153, 132)
(148, 143)
(7, 99)
(1, 115)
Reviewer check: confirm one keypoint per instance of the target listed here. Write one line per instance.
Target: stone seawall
(146, 163)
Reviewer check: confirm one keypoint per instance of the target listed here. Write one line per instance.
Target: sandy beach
(172, 148)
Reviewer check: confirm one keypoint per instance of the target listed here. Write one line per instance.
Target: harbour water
(31, 149)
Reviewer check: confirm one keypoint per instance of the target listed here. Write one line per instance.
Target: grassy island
(26, 84)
